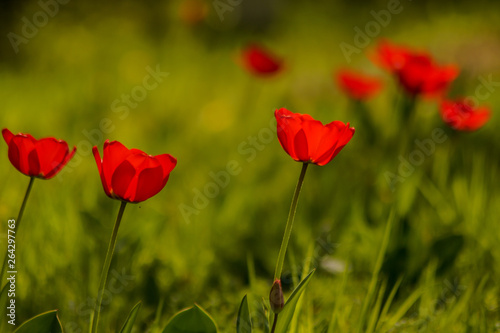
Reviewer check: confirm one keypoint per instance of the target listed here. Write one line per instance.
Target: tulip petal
(51, 155)
(283, 139)
(150, 181)
(168, 163)
(15, 157)
(65, 161)
(122, 181)
(479, 118)
(34, 163)
(24, 144)
(7, 135)
(114, 153)
(329, 142)
(345, 137)
(301, 147)
(315, 131)
(288, 126)
(98, 161)
(438, 79)
(139, 161)
(282, 128)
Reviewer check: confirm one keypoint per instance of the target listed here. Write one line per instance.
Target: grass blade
(376, 271)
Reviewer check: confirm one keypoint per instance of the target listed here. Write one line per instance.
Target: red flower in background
(358, 86)
(416, 72)
(389, 56)
(308, 140)
(130, 174)
(42, 158)
(421, 76)
(462, 116)
(260, 62)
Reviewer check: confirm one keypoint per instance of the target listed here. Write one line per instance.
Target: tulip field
(204, 166)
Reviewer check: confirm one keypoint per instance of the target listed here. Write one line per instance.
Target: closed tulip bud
(276, 298)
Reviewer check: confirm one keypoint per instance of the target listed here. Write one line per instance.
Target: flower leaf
(244, 322)
(46, 322)
(3, 311)
(129, 322)
(192, 320)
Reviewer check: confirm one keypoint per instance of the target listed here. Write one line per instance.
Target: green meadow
(398, 246)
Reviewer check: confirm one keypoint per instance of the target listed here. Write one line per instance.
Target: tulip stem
(366, 123)
(289, 224)
(274, 323)
(408, 110)
(408, 118)
(105, 268)
(16, 225)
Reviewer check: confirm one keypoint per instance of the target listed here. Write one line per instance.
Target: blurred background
(66, 69)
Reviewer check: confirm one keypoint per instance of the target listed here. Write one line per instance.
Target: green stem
(362, 113)
(408, 110)
(105, 269)
(16, 226)
(274, 323)
(289, 223)
(407, 133)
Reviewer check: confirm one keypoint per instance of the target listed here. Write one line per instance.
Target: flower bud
(276, 298)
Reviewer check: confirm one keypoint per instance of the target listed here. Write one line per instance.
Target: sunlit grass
(77, 65)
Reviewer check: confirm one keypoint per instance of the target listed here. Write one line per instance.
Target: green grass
(442, 252)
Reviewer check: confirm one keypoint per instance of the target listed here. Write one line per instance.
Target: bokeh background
(65, 79)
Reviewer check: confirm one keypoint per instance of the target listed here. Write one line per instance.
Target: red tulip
(130, 174)
(391, 57)
(42, 158)
(308, 140)
(358, 86)
(417, 72)
(419, 75)
(260, 62)
(462, 116)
